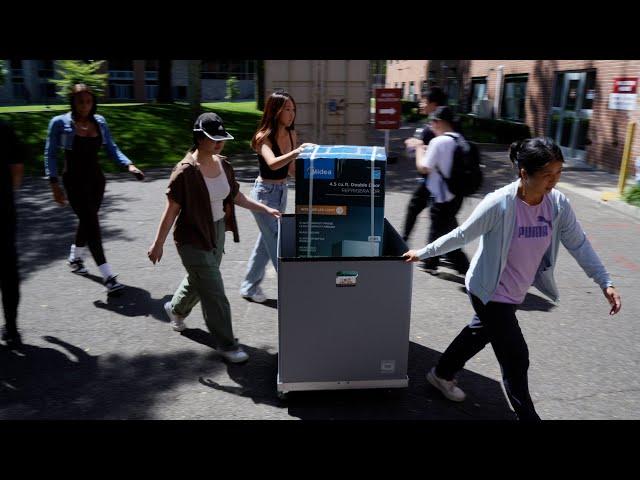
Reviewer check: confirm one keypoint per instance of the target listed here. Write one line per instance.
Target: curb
(617, 205)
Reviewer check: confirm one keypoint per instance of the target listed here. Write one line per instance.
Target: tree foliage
(233, 89)
(71, 72)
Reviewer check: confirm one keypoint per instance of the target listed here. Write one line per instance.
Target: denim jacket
(61, 134)
(493, 220)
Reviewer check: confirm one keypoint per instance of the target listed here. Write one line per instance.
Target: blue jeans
(273, 195)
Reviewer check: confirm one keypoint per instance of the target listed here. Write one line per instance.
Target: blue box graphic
(344, 221)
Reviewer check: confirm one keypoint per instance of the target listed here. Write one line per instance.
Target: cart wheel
(282, 395)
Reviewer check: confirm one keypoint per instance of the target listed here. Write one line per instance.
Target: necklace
(83, 127)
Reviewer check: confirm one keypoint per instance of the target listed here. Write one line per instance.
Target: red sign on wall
(388, 109)
(625, 85)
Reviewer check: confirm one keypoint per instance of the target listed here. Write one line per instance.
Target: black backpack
(466, 176)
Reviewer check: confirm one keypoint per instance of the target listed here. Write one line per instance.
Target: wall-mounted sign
(388, 108)
(625, 93)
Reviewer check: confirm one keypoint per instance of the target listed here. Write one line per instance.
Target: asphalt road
(93, 357)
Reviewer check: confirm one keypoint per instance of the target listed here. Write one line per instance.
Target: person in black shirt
(275, 142)
(82, 133)
(11, 169)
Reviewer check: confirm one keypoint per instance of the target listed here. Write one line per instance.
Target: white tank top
(218, 190)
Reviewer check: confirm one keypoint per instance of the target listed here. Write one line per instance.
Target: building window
(452, 92)
(403, 90)
(412, 94)
(120, 79)
(513, 97)
(478, 92)
(223, 69)
(151, 79)
(180, 92)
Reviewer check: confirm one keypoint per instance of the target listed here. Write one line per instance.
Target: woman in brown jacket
(201, 195)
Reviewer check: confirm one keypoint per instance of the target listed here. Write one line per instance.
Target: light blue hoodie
(493, 220)
(61, 133)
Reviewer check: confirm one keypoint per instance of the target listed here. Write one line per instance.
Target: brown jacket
(195, 221)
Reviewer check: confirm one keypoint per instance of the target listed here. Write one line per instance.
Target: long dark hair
(269, 122)
(533, 154)
(77, 89)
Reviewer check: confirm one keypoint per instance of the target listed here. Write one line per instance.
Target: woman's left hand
(136, 172)
(273, 212)
(614, 299)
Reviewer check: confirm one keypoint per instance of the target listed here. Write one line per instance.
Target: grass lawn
(151, 135)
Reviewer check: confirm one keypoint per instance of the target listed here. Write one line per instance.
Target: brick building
(568, 100)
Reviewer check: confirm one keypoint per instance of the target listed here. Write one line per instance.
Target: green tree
(233, 90)
(71, 72)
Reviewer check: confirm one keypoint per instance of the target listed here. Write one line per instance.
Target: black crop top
(266, 172)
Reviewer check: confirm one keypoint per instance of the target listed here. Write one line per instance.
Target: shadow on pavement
(420, 401)
(65, 382)
(132, 302)
(537, 303)
(46, 230)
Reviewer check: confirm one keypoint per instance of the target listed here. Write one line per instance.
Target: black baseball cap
(211, 125)
(443, 113)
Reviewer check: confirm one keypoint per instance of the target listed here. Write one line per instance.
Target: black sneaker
(429, 266)
(112, 284)
(77, 267)
(12, 340)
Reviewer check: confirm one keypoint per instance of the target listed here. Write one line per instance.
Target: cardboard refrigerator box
(346, 220)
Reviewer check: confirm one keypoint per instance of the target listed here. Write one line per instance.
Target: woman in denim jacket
(81, 133)
(521, 226)
(275, 142)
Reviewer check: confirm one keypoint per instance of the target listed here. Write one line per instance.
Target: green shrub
(632, 195)
(489, 130)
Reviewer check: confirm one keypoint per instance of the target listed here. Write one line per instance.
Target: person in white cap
(201, 195)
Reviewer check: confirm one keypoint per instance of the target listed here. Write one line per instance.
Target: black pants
(85, 193)
(498, 326)
(9, 278)
(443, 220)
(419, 201)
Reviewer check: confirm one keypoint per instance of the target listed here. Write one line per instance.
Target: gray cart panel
(330, 333)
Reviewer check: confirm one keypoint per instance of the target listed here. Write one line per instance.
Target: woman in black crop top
(275, 142)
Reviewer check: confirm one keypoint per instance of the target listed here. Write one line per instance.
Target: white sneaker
(258, 297)
(177, 322)
(234, 356)
(448, 388)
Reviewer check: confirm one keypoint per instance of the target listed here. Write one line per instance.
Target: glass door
(571, 114)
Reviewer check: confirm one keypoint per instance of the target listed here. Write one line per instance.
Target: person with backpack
(447, 150)
(434, 98)
(521, 226)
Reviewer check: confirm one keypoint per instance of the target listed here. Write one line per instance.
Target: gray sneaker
(177, 322)
(236, 355)
(448, 388)
(258, 297)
